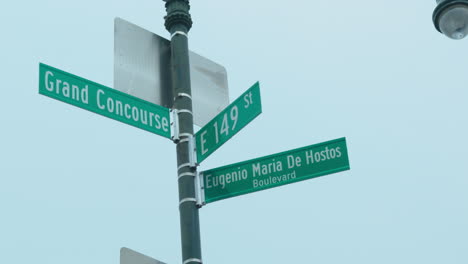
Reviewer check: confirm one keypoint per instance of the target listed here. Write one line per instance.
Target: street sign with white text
(227, 123)
(274, 170)
(103, 100)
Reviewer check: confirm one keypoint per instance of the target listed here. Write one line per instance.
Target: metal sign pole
(178, 22)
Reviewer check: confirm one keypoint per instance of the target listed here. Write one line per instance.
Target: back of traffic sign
(142, 68)
(128, 256)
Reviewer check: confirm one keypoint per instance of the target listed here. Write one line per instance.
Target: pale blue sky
(75, 186)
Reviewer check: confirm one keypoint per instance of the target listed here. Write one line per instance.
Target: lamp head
(450, 17)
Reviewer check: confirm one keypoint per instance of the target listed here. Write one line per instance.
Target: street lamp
(451, 18)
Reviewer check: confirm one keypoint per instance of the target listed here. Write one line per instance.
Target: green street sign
(103, 100)
(274, 170)
(227, 123)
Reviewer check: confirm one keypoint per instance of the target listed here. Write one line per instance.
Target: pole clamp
(191, 149)
(192, 152)
(185, 174)
(175, 124)
(187, 200)
(184, 95)
(179, 33)
(192, 260)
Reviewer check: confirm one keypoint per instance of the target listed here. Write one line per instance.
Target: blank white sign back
(142, 68)
(128, 256)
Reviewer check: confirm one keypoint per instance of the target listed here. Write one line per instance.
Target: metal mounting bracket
(175, 125)
(192, 151)
(199, 190)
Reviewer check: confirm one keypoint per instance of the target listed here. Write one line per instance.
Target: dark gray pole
(178, 23)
